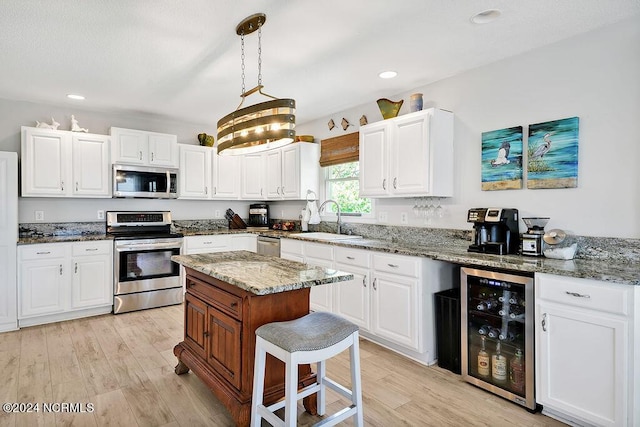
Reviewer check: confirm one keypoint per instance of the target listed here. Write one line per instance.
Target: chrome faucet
(337, 206)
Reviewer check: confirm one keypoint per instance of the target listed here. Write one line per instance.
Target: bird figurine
(331, 124)
(503, 155)
(345, 124)
(363, 120)
(542, 148)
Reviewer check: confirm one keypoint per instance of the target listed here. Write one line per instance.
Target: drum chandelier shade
(263, 126)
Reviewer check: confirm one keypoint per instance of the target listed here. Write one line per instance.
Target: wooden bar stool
(313, 338)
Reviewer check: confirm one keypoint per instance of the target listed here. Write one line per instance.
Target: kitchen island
(228, 296)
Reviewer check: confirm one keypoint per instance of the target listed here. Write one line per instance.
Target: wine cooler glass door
(497, 334)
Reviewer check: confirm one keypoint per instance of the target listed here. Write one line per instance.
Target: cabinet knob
(62, 185)
(140, 153)
(350, 257)
(393, 265)
(76, 185)
(76, 268)
(375, 288)
(206, 191)
(577, 295)
(206, 334)
(234, 305)
(43, 253)
(61, 269)
(384, 184)
(395, 182)
(364, 281)
(215, 190)
(544, 322)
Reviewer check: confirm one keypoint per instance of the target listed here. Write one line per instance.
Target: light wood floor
(123, 365)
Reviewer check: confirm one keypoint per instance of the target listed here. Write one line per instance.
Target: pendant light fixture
(262, 126)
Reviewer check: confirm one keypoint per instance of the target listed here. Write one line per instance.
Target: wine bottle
(507, 335)
(517, 372)
(498, 365)
(505, 296)
(489, 304)
(516, 312)
(493, 333)
(483, 360)
(484, 329)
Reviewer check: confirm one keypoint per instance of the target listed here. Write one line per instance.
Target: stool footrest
(338, 417)
(308, 390)
(339, 388)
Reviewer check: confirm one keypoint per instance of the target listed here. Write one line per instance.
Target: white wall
(595, 76)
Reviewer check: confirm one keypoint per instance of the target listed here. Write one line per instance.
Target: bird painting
(503, 155)
(542, 148)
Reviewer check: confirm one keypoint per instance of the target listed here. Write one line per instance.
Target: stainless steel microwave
(145, 182)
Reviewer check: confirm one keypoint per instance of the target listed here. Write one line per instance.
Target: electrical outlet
(100, 214)
(404, 219)
(39, 215)
(383, 217)
(217, 213)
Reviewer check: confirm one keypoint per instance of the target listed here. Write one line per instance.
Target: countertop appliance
(532, 242)
(269, 246)
(144, 275)
(495, 230)
(145, 182)
(258, 216)
(497, 318)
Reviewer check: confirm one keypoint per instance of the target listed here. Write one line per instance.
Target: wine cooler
(497, 313)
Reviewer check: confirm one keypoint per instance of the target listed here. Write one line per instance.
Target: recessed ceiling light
(387, 74)
(77, 97)
(486, 16)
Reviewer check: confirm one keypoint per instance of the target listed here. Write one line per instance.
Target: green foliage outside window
(343, 187)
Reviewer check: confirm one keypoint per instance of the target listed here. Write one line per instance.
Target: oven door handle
(127, 247)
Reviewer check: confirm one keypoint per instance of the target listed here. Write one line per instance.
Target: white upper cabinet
(253, 177)
(408, 156)
(130, 146)
(226, 177)
(292, 170)
(64, 164)
(195, 172)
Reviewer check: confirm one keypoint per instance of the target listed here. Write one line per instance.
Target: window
(342, 185)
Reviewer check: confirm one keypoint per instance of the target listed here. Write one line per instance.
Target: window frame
(348, 216)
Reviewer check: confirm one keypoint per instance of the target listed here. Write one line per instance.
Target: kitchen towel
(314, 215)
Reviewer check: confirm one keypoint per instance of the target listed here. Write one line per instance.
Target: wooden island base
(219, 341)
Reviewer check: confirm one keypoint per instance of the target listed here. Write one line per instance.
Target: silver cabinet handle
(140, 155)
(76, 185)
(395, 182)
(375, 288)
(350, 257)
(62, 185)
(544, 322)
(215, 190)
(282, 190)
(76, 268)
(91, 249)
(364, 281)
(384, 184)
(577, 295)
(152, 156)
(206, 190)
(393, 265)
(261, 191)
(277, 190)
(61, 269)
(43, 253)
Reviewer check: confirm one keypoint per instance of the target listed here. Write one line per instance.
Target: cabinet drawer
(352, 257)
(101, 247)
(406, 266)
(229, 303)
(291, 246)
(52, 250)
(213, 243)
(316, 250)
(608, 297)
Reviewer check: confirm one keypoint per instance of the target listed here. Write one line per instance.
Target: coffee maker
(495, 230)
(258, 216)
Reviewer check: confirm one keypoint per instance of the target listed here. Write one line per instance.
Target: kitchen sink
(326, 236)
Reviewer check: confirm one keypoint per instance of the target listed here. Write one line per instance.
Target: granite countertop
(455, 251)
(36, 239)
(260, 274)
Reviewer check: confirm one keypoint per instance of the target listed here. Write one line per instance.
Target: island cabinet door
(195, 322)
(224, 352)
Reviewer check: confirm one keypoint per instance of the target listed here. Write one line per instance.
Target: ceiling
(181, 59)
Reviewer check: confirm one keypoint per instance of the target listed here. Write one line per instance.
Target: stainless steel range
(144, 275)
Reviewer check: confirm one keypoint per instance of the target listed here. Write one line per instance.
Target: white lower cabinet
(60, 281)
(586, 362)
(390, 297)
(212, 243)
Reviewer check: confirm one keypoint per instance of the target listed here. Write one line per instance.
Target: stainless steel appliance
(144, 275)
(145, 182)
(258, 216)
(495, 230)
(532, 242)
(269, 246)
(497, 318)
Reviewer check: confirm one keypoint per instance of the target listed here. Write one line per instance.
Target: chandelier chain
(242, 58)
(259, 52)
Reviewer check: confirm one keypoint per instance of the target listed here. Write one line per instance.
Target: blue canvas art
(552, 154)
(502, 159)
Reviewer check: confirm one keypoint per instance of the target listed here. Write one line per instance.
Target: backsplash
(590, 248)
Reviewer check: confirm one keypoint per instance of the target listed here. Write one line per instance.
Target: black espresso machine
(495, 230)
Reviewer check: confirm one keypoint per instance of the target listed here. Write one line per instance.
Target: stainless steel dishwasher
(269, 246)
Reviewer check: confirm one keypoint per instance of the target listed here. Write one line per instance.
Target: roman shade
(341, 149)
